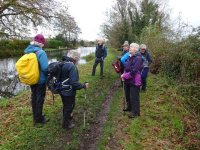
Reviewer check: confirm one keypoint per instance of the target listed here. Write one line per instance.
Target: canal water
(9, 83)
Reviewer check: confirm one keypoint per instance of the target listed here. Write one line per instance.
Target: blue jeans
(144, 77)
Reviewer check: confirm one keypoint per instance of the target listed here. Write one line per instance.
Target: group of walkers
(38, 91)
(135, 61)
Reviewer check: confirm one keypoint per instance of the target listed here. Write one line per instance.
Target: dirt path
(90, 139)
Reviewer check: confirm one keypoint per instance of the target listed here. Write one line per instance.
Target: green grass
(164, 123)
(89, 57)
(17, 131)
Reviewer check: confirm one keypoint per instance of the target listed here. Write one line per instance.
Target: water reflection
(9, 83)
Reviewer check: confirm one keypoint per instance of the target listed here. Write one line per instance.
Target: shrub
(54, 44)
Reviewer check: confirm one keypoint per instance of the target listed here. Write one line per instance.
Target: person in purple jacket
(132, 79)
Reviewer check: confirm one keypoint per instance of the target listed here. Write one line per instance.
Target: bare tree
(17, 16)
(65, 24)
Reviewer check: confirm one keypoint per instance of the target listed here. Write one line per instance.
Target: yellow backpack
(28, 69)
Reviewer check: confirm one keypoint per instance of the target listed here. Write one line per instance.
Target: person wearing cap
(146, 62)
(38, 91)
(100, 55)
(124, 51)
(125, 48)
(70, 72)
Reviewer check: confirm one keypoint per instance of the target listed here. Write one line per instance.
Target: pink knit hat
(40, 39)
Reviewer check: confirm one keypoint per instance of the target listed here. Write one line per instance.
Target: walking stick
(53, 97)
(84, 114)
(124, 98)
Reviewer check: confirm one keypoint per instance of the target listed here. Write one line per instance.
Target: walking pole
(53, 97)
(124, 98)
(84, 111)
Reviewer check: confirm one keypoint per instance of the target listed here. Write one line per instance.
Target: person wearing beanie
(146, 62)
(70, 72)
(100, 55)
(38, 91)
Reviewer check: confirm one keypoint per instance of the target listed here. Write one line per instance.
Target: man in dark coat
(100, 55)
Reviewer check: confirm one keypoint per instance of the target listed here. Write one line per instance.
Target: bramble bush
(178, 60)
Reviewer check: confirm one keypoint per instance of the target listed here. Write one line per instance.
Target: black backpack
(54, 83)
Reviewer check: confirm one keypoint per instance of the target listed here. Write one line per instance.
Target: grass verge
(17, 131)
(165, 122)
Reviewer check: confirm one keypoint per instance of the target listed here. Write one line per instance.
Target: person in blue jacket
(70, 74)
(38, 90)
(100, 55)
(124, 51)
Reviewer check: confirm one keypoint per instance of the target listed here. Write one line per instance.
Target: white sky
(188, 9)
(90, 14)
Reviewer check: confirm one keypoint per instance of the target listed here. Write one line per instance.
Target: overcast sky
(90, 14)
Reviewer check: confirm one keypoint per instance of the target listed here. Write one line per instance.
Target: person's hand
(86, 85)
(122, 77)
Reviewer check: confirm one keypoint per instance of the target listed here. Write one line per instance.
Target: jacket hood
(32, 48)
(66, 58)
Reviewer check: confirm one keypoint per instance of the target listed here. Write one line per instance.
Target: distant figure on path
(100, 55)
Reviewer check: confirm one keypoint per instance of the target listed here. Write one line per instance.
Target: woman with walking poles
(132, 80)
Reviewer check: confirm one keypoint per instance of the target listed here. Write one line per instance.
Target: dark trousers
(133, 99)
(38, 92)
(144, 77)
(101, 61)
(68, 106)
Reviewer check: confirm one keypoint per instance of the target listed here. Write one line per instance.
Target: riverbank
(17, 131)
(165, 122)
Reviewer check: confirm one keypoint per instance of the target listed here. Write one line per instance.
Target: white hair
(143, 46)
(135, 45)
(74, 54)
(36, 43)
(101, 39)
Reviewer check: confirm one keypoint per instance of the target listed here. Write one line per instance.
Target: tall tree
(127, 19)
(66, 26)
(18, 16)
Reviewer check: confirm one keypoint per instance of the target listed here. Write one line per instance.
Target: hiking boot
(69, 126)
(133, 116)
(43, 121)
(127, 109)
(101, 77)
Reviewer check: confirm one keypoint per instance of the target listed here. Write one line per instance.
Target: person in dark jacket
(38, 91)
(70, 72)
(146, 62)
(100, 55)
(132, 78)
